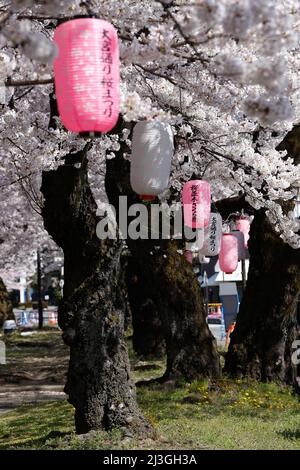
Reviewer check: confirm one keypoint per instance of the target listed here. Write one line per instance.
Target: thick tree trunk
(148, 335)
(191, 348)
(92, 312)
(261, 344)
(123, 287)
(6, 311)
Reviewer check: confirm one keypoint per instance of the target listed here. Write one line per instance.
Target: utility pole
(205, 280)
(40, 296)
(27, 297)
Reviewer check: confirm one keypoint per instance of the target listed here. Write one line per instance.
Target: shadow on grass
(41, 442)
(30, 425)
(149, 382)
(144, 367)
(290, 434)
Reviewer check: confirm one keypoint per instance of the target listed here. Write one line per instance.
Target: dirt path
(35, 370)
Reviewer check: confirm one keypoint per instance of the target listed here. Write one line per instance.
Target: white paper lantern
(152, 151)
(212, 236)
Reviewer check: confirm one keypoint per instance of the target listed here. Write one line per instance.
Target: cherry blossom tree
(222, 73)
(264, 338)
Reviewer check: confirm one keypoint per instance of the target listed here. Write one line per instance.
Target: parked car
(9, 326)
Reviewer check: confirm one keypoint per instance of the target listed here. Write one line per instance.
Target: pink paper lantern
(188, 256)
(241, 244)
(228, 256)
(243, 225)
(86, 73)
(196, 203)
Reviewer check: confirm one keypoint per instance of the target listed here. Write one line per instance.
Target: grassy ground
(223, 415)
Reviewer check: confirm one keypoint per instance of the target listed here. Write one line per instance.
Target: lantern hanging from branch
(212, 236)
(152, 151)
(241, 244)
(86, 74)
(228, 257)
(196, 203)
(243, 225)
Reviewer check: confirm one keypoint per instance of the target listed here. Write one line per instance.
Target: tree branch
(182, 33)
(19, 83)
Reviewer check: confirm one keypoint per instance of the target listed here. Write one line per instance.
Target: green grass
(40, 343)
(31, 426)
(225, 414)
(229, 415)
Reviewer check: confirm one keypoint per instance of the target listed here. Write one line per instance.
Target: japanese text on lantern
(194, 203)
(107, 81)
(213, 233)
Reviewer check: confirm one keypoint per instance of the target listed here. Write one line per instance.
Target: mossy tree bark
(148, 335)
(261, 344)
(6, 311)
(92, 312)
(191, 348)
